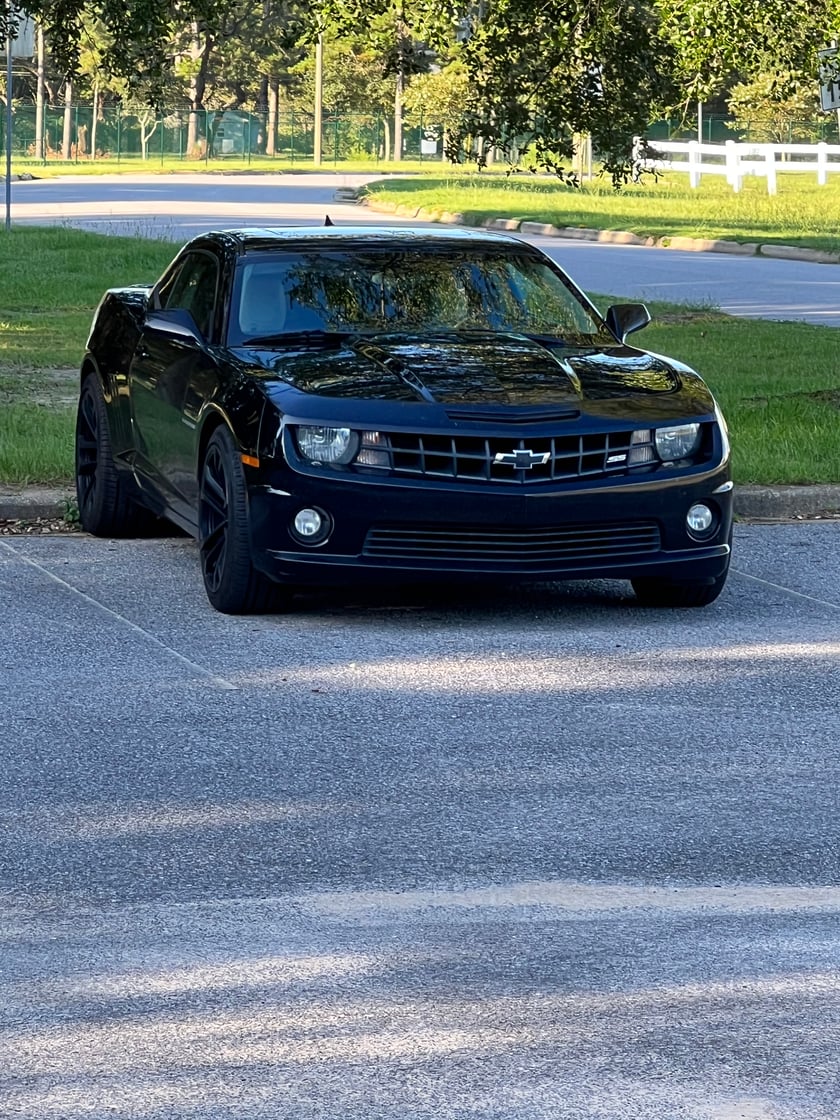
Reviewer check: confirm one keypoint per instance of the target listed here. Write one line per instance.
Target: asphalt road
(178, 206)
(528, 853)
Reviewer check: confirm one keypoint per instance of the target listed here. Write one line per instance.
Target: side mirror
(176, 322)
(624, 318)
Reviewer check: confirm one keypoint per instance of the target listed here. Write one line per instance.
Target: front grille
(524, 461)
(537, 548)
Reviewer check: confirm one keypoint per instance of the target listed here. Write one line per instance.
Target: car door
(173, 358)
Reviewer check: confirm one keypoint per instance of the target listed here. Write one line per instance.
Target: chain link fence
(718, 129)
(76, 134)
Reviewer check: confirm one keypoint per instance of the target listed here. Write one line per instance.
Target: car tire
(105, 509)
(661, 593)
(232, 583)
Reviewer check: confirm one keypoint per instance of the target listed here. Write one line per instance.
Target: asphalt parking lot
(491, 854)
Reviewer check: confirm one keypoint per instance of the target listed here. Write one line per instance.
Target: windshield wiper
(322, 338)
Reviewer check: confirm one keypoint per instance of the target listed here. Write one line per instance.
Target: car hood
(485, 369)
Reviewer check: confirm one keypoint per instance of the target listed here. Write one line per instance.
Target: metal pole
(319, 98)
(40, 152)
(9, 118)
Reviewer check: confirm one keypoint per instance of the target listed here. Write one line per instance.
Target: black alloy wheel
(232, 583)
(104, 507)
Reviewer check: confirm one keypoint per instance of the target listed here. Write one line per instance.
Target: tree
(759, 108)
(139, 32)
(437, 100)
(400, 31)
(354, 84)
(540, 75)
(714, 41)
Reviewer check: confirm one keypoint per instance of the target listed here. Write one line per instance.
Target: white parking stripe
(787, 590)
(219, 682)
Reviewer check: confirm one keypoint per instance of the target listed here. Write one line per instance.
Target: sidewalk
(772, 503)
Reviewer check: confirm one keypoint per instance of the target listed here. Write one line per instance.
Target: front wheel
(662, 593)
(232, 583)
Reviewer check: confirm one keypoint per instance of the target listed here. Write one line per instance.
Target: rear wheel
(105, 509)
(662, 593)
(232, 583)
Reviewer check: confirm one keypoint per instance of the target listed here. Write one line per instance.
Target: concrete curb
(32, 502)
(784, 503)
(778, 503)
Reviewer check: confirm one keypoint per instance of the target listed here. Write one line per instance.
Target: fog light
(699, 519)
(311, 526)
(308, 522)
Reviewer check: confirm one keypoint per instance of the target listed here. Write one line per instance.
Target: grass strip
(778, 383)
(802, 213)
(51, 279)
(257, 165)
(36, 443)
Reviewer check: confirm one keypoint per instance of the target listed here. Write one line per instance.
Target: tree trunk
(201, 50)
(67, 134)
(398, 113)
(39, 95)
(147, 130)
(271, 123)
(95, 119)
(386, 139)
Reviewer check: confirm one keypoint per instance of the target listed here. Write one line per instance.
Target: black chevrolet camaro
(329, 405)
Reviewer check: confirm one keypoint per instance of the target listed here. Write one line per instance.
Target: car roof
(250, 239)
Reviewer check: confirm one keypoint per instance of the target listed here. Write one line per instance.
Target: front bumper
(407, 530)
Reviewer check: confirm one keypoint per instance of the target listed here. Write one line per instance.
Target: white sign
(829, 80)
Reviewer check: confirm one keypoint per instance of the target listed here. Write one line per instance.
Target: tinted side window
(193, 288)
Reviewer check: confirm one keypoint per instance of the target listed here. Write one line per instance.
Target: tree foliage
(776, 108)
(140, 32)
(714, 40)
(540, 75)
(437, 100)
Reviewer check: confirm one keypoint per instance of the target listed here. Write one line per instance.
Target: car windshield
(302, 295)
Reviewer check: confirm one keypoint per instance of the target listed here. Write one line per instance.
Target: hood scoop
(513, 414)
(475, 374)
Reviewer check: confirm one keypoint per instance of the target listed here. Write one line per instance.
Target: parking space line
(218, 681)
(787, 590)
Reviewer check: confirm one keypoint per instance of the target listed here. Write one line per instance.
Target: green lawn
(802, 213)
(778, 383)
(51, 279)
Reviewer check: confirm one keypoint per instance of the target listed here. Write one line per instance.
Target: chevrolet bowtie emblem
(522, 459)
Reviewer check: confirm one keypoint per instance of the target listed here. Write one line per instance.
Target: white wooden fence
(736, 161)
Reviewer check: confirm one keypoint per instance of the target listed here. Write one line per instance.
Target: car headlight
(679, 442)
(327, 445)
